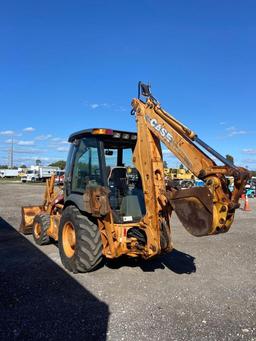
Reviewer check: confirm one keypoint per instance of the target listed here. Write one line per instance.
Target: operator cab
(103, 157)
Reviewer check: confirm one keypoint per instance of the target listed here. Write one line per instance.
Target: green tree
(61, 164)
(230, 158)
(38, 162)
(181, 166)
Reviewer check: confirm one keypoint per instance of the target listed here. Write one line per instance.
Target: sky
(72, 65)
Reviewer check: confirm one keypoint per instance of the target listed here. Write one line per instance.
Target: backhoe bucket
(28, 214)
(194, 208)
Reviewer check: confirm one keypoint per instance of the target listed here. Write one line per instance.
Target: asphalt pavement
(204, 290)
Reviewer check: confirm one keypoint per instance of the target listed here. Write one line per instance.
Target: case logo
(158, 127)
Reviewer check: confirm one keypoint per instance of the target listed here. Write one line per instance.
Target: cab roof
(104, 132)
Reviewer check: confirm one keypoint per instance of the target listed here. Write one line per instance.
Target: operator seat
(117, 182)
(117, 179)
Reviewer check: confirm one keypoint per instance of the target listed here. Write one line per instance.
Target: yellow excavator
(105, 209)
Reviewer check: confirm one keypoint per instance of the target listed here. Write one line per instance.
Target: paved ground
(204, 290)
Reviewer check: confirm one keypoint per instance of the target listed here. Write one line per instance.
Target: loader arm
(53, 202)
(203, 211)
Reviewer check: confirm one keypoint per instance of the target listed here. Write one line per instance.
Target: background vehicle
(39, 173)
(179, 178)
(250, 192)
(8, 173)
(103, 211)
(59, 177)
(199, 183)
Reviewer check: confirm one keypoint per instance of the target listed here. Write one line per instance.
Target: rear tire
(80, 244)
(40, 226)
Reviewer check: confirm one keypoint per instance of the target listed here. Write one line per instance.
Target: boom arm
(202, 211)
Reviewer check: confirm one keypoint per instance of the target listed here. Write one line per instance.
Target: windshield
(60, 173)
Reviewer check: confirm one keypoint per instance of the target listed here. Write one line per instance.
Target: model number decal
(158, 127)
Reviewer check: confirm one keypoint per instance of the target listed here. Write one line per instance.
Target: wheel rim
(69, 239)
(37, 230)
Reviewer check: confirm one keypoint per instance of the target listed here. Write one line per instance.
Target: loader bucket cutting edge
(194, 208)
(28, 214)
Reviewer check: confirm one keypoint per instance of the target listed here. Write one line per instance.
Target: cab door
(83, 170)
(86, 166)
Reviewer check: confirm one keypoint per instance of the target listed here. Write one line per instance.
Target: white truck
(39, 173)
(9, 173)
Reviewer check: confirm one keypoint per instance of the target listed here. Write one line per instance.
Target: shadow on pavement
(39, 300)
(176, 261)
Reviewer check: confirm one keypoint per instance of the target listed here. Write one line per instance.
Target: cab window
(86, 170)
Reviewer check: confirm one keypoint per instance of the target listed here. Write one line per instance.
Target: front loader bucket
(28, 214)
(194, 208)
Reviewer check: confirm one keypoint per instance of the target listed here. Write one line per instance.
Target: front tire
(80, 244)
(40, 226)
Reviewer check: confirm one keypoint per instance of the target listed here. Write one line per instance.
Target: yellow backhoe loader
(105, 209)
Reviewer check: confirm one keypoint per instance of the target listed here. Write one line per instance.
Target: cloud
(63, 149)
(233, 131)
(56, 139)
(10, 141)
(43, 137)
(99, 105)
(30, 151)
(111, 106)
(223, 123)
(232, 128)
(249, 160)
(238, 132)
(29, 129)
(59, 140)
(121, 108)
(34, 158)
(94, 106)
(249, 151)
(25, 143)
(7, 132)
(45, 147)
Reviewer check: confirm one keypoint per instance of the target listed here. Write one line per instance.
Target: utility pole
(10, 155)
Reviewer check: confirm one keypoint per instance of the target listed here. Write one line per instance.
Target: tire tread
(44, 220)
(88, 251)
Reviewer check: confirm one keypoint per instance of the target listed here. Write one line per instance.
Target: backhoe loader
(115, 201)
